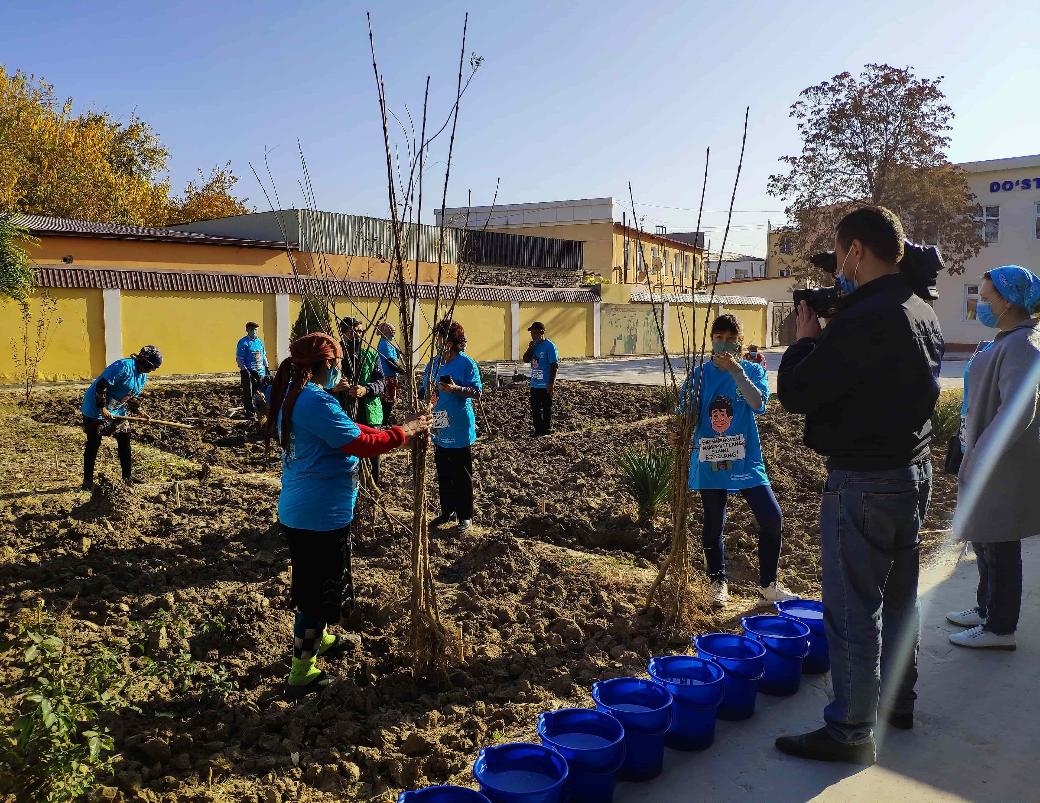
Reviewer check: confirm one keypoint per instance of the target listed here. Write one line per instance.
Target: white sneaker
(983, 640)
(719, 592)
(968, 618)
(774, 592)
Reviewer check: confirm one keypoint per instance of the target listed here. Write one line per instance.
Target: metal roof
(255, 284)
(643, 296)
(70, 227)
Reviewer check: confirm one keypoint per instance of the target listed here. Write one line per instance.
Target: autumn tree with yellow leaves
(92, 166)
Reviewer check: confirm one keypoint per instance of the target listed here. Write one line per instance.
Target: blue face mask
(985, 315)
(721, 347)
(333, 378)
(848, 286)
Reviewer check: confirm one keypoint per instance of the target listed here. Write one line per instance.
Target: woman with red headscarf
(320, 450)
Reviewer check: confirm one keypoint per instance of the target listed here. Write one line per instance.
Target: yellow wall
(775, 258)
(77, 346)
(567, 325)
(664, 270)
(196, 332)
(693, 324)
(752, 321)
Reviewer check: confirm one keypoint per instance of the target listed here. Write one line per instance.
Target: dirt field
(190, 567)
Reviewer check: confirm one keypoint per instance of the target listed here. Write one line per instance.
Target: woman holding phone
(452, 382)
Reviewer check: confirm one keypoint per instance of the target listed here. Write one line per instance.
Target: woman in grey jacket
(996, 505)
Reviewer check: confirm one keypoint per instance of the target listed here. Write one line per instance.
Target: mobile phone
(446, 380)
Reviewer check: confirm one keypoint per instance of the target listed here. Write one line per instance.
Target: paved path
(975, 737)
(650, 370)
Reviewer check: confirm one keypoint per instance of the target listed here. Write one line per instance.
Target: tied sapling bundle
(676, 590)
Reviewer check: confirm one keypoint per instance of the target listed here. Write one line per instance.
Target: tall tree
(878, 139)
(90, 166)
(211, 197)
(16, 276)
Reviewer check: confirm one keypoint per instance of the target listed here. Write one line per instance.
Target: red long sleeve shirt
(373, 442)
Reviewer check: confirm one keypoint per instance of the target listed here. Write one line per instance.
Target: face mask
(985, 315)
(722, 347)
(333, 378)
(848, 286)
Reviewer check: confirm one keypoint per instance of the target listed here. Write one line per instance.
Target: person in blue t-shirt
(391, 366)
(321, 446)
(545, 362)
(727, 456)
(251, 357)
(452, 379)
(112, 395)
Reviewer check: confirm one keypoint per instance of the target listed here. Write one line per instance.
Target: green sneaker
(304, 677)
(333, 646)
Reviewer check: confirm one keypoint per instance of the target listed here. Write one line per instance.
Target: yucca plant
(646, 474)
(666, 398)
(946, 420)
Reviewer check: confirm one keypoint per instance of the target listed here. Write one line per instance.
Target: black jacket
(868, 384)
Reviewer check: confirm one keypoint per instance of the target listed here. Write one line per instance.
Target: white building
(742, 267)
(1008, 191)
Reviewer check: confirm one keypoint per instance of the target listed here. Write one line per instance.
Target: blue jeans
(770, 530)
(1000, 584)
(869, 523)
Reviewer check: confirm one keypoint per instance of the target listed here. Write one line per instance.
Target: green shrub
(946, 420)
(646, 474)
(666, 398)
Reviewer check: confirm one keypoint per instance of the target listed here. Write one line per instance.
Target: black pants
(95, 430)
(770, 520)
(455, 481)
(250, 386)
(388, 411)
(541, 410)
(322, 576)
(1000, 584)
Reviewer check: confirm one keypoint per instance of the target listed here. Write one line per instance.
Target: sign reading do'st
(1017, 184)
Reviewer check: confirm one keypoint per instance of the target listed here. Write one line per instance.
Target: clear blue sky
(574, 99)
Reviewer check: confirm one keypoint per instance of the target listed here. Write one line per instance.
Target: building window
(784, 273)
(971, 300)
(1038, 221)
(740, 273)
(686, 257)
(990, 224)
(626, 255)
(786, 246)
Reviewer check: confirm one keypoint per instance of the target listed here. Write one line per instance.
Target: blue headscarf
(1018, 285)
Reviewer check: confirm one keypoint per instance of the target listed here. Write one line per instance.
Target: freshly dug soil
(546, 590)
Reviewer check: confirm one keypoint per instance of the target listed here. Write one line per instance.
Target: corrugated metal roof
(192, 282)
(643, 296)
(70, 227)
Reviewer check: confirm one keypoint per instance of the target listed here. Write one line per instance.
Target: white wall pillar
(596, 342)
(112, 309)
(282, 326)
(665, 315)
(769, 325)
(417, 334)
(514, 319)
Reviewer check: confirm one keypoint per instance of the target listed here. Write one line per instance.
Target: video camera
(920, 266)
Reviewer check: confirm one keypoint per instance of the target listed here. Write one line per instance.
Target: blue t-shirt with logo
(319, 482)
(727, 451)
(387, 351)
(251, 355)
(543, 355)
(461, 428)
(124, 383)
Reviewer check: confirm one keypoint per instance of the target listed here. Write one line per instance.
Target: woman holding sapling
(453, 381)
(727, 456)
(320, 450)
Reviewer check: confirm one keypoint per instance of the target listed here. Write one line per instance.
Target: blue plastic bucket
(696, 686)
(520, 772)
(593, 743)
(644, 709)
(442, 794)
(787, 643)
(743, 661)
(810, 612)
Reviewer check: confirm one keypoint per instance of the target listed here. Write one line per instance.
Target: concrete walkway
(975, 736)
(650, 370)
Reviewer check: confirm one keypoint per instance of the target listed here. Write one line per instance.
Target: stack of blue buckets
(584, 750)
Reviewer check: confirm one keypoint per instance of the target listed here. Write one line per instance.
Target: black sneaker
(819, 745)
(903, 720)
(441, 520)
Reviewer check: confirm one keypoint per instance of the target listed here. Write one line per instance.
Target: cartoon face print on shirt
(721, 414)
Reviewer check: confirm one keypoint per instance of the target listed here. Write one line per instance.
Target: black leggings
(766, 511)
(95, 430)
(322, 576)
(455, 481)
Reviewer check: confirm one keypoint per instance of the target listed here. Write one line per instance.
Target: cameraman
(867, 385)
